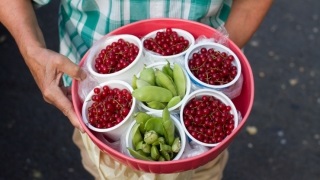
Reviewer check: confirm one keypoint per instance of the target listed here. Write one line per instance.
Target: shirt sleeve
(39, 3)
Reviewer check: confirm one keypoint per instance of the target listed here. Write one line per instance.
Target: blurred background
(281, 139)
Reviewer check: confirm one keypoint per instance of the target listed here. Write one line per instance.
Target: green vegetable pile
(154, 138)
(160, 88)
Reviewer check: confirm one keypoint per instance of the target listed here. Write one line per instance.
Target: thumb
(72, 69)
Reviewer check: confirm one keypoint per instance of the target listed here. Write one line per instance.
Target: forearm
(19, 18)
(245, 18)
(46, 66)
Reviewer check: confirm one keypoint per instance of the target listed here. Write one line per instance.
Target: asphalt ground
(35, 138)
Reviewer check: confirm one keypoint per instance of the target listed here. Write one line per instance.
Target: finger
(61, 101)
(67, 92)
(73, 70)
(69, 95)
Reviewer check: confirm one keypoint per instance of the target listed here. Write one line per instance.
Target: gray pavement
(35, 138)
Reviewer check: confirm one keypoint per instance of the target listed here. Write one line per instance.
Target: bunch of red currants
(212, 66)
(116, 56)
(110, 106)
(166, 43)
(208, 119)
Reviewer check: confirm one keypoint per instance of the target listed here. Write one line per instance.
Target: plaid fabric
(82, 22)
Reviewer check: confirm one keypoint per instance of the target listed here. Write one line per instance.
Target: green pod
(136, 135)
(166, 155)
(166, 82)
(158, 83)
(161, 158)
(158, 141)
(169, 131)
(165, 147)
(155, 154)
(140, 83)
(139, 146)
(144, 147)
(134, 82)
(176, 145)
(168, 126)
(150, 137)
(166, 115)
(139, 155)
(141, 118)
(179, 80)
(147, 74)
(156, 105)
(152, 93)
(167, 70)
(174, 101)
(155, 124)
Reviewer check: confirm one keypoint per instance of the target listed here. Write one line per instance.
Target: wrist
(30, 43)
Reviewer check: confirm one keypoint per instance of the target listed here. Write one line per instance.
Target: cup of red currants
(116, 57)
(168, 44)
(212, 65)
(208, 117)
(109, 108)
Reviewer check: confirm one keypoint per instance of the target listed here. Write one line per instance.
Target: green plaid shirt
(82, 22)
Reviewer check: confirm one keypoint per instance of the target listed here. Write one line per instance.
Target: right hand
(47, 68)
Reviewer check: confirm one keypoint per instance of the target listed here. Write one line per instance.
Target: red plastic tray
(243, 102)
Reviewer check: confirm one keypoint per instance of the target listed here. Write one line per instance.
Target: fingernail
(81, 130)
(83, 75)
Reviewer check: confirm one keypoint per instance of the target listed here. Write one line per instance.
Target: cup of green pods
(160, 85)
(155, 137)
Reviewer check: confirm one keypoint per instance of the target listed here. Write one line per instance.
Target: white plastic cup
(210, 92)
(155, 57)
(197, 84)
(114, 133)
(176, 108)
(178, 128)
(124, 74)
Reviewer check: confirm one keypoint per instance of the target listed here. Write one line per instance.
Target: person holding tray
(81, 23)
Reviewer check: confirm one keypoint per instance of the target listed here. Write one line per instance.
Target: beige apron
(102, 166)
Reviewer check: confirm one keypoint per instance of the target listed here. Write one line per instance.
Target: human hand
(47, 68)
